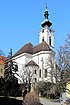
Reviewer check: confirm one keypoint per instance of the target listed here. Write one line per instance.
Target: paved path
(48, 102)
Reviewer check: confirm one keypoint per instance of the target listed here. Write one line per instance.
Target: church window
(42, 38)
(45, 72)
(35, 80)
(40, 73)
(42, 30)
(35, 71)
(50, 41)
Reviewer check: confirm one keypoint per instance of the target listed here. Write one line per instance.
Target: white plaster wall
(52, 37)
(21, 60)
(43, 34)
(45, 55)
(46, 34)
(37, 58)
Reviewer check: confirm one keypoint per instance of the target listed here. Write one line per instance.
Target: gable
(30, 49)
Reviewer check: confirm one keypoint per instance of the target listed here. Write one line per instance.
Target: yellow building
(68, 89)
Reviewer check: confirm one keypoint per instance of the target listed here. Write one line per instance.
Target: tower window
(42, 30)
(40, 73)
(43, 39)
(50, 41)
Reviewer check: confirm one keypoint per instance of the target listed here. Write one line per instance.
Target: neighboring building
(65, 96)
(2, 64)
(68, 89)
(38, 59)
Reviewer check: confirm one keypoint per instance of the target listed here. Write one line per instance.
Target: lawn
(10, 101)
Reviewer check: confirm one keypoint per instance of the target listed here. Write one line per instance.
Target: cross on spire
(46, 5)
(46, 12)
(46, 22)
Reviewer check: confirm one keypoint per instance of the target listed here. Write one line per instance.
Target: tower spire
(46, 13)
(46, 22)
(46, 33)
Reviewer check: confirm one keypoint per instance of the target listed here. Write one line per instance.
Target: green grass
(10, 101)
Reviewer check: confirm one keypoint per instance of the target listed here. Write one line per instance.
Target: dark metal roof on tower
(46, 22)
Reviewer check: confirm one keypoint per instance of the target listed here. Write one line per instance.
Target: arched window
(35, 71)
(42, 30)
(50, 40)
(40, 73)
(35, 80)
(42, 38)
(45, 72)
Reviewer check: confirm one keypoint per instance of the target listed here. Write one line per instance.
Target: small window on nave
(35, 71)
(40, 73)
(45, 72)
(35, 79)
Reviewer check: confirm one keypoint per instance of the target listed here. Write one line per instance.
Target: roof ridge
(27, 48)
(41, 47)
(30, 49)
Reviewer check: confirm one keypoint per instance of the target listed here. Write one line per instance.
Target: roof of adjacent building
(31, 63)
(2, 60)
(29, 48)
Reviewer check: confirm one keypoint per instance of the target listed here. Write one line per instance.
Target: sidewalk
(49, 102)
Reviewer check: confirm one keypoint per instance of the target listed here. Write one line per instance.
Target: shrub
(43, 88)
(31, 99)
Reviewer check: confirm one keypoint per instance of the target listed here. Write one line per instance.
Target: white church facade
(37, 62)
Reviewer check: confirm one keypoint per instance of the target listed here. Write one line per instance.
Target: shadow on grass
(9, 101)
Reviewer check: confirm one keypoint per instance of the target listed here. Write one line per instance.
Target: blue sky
(20, 22)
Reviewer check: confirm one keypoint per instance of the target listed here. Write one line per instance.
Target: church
(37, 63)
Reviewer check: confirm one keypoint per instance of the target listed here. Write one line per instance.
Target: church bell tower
(46, 33)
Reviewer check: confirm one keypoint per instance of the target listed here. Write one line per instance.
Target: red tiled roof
(2, 60)
(31, 63)
(29, 48)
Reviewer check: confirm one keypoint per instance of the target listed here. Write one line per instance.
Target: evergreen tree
(11, 83)
(2, 83)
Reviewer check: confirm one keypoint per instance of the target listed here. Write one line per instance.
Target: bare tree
(50, 66)
(27, 75)
(2, 53)
(64, 61)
